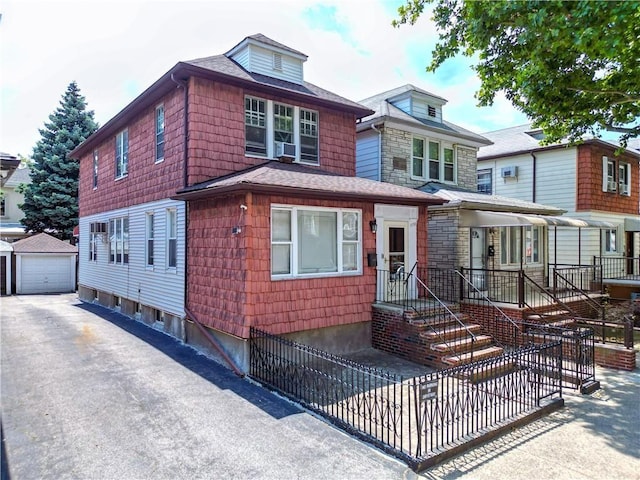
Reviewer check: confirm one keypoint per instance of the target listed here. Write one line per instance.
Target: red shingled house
(226, 194)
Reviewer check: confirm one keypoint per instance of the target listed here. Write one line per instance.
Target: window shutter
(605, 174)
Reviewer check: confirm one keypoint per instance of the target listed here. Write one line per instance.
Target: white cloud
(116, 49)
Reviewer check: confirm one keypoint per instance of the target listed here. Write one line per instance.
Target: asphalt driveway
(90, 394)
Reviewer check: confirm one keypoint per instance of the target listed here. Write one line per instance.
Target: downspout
(185, 155)
(534, 166)
(379, 151)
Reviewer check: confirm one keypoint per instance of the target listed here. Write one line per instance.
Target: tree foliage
(572, 66)
(51, 199)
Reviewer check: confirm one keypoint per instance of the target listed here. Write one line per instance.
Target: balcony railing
(619, 268)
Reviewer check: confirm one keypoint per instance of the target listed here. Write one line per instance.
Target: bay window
(315, 241)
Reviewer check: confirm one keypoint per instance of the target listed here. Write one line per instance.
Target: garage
(45, 264)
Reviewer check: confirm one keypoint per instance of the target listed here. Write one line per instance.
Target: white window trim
(149, 220)
(93, 247)
(155, 134)
(616, 247)
(541, 245)
(426, 160)
(124, 241)
(270, 138)
(294, 209)
(123, 162)
(169, 237)
(624, 188)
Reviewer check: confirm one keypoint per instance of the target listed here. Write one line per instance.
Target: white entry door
(478, 258)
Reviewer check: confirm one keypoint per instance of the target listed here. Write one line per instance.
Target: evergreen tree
(51, 199)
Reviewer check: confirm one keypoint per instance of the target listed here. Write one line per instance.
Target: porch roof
(478, 218)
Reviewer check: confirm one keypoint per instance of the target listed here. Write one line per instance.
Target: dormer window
(277, 62)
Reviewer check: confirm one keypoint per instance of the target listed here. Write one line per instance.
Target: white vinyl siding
(367, 156)
(159, 288)
(261, 60)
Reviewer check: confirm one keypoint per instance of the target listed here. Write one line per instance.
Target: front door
(478, 258)
(396, 252)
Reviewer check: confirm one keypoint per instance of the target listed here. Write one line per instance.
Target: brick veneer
(614, 356)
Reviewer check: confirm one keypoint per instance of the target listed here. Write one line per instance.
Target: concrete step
(453, 331)
(477, 355)
(439, 322)
(546, 317)
(463, 344)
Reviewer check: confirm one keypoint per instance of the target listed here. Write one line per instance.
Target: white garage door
(46, 274)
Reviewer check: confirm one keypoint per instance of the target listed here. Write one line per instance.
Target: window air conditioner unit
(509, 172)
(285, 150)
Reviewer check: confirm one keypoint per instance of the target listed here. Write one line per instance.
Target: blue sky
(116, 49)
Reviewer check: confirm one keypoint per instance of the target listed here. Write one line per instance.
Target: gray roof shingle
(43, 243)
(298, 179)
(384, 109)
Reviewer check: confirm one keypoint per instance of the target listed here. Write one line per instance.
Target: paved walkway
(87, 393)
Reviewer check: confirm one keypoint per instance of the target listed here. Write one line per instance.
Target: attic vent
(277, 62)
(431, 111)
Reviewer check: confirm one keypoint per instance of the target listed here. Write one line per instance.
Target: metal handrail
(581, 293)
(544, 291)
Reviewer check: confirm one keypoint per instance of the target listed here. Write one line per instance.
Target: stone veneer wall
(396, 165)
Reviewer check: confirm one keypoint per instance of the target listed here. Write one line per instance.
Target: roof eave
(241, 188)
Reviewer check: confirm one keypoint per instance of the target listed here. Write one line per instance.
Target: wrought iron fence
(417, 419)
(623, 268)
(565, 279)
(618, 332)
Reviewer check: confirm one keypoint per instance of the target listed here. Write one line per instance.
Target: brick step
(462, 345)
(440, 321)
(545, 317)
(476, 355)
(488, 372)
(453, 331)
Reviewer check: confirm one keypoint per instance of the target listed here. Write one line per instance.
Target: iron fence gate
(422, 419)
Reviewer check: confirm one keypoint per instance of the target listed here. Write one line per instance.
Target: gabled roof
(43, 243)
(522, 139)
(384, 110)
(298, 180)
(19, 175)
(460, 197)
(222, 69)
(260, 38)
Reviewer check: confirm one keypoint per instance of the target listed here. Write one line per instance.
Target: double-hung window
(255, 122)
(432, 160)
(159, 133)
(95, 169)
(616, 176)
(511, 244)
(93, 247)
(172, 238)
(122, 154)
(150, 238)
(269, 125)
(119, 241)
(610, 240)
(485, 181)
(315, 242)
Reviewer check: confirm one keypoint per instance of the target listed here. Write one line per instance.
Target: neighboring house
(590, 181)
(10, 213)
(225, 194)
